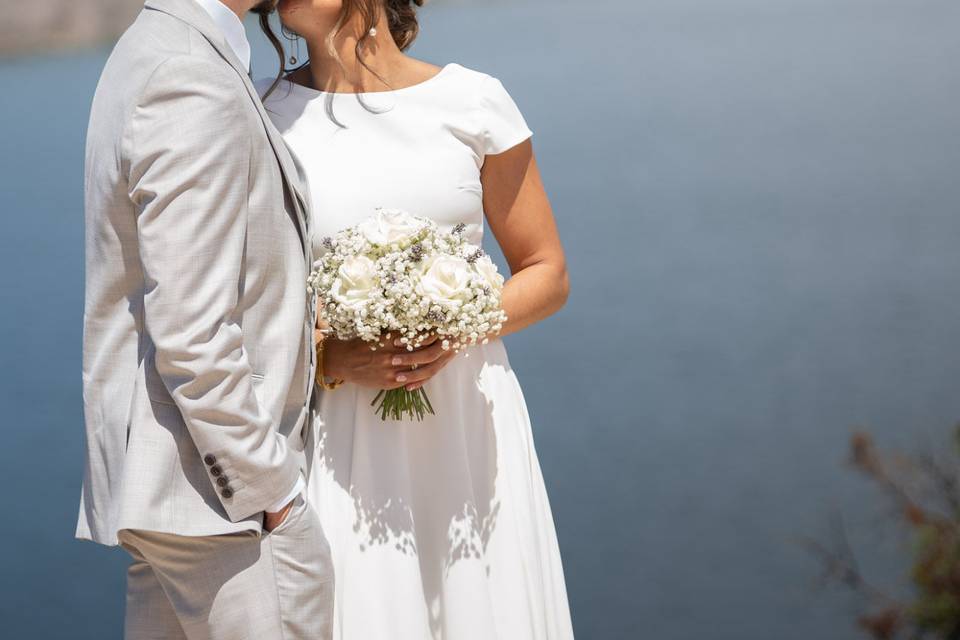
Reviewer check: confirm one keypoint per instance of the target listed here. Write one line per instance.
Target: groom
(198, 346)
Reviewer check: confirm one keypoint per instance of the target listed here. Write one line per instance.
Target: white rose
(488, 271)
(445, 280)
(356, 280)
(389, 226)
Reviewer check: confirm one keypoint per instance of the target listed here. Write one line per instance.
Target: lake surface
(760, 203)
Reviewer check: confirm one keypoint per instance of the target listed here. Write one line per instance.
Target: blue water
(760, 203)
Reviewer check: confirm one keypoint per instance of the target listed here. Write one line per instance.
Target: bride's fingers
(419, 358)
(428, 341)
(387, 346)
(422, 374)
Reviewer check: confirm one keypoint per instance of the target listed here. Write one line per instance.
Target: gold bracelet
(320, 379)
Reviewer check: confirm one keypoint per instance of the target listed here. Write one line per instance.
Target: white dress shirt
(232, 28)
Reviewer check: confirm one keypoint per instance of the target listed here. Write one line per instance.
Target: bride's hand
(388, 367)
(420, 365)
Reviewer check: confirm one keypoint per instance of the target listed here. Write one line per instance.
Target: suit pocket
(295, 515)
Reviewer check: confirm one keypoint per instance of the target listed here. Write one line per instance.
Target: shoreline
(62, 25)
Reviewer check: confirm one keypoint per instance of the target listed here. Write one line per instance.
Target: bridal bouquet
(398, 275)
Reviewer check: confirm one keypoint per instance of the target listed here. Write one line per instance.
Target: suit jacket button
(222, 481)
(216, 470)
(227, 493)
(210, 459)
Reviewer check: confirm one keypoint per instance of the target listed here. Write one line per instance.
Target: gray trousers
(278, 586)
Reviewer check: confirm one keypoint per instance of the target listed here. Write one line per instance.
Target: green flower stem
(400, 404)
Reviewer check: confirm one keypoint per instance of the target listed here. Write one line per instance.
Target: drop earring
(295, 39)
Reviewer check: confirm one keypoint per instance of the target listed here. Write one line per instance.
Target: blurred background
(759, 200)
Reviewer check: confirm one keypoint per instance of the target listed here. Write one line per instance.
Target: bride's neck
(335, 65)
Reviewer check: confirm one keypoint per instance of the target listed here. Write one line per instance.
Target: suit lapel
(287, 164)
(193, 14)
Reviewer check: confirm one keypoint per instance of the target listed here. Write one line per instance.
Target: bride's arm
(520, 217)
(519, 214)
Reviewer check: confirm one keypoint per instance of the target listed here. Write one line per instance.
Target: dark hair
(401, 17)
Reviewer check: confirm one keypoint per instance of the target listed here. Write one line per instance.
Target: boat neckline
(423, 83)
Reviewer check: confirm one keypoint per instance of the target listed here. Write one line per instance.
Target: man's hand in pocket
(273, 520)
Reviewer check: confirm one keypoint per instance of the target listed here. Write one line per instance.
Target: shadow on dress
(426, 489)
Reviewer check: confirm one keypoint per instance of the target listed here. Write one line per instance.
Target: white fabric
(439, 529)
(232, 28)
(297, 490)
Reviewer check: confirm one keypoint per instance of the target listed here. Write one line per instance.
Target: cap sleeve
(504, 126)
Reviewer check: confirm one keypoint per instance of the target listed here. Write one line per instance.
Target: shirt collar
(232, 28)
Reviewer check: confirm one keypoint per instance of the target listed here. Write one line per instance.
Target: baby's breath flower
(394, 305)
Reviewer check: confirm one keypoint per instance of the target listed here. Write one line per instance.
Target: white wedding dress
(439, 529)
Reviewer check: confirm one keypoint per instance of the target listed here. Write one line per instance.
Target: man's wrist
(297, 489)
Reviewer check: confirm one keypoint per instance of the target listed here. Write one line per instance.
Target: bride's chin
(266, 5)
(287, 6)
(315, 10)
(308, 18)
(288, 10)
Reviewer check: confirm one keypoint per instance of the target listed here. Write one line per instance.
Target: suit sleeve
(188, 147)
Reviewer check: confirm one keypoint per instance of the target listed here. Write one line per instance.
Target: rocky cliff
(35, 25)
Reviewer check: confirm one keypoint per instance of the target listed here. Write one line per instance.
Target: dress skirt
(439, 529)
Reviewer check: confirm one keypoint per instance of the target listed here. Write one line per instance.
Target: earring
(294, 38)
(373, 32)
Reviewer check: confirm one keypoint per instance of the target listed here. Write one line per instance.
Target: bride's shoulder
(472, 88)
(502, 125)
(474, 84)
(466, 74)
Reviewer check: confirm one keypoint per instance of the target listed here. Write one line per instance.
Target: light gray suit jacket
(198, 359)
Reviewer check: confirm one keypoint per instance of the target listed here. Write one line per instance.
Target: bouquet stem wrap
(397, 404)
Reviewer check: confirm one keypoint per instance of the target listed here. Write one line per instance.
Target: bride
(439, 529)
